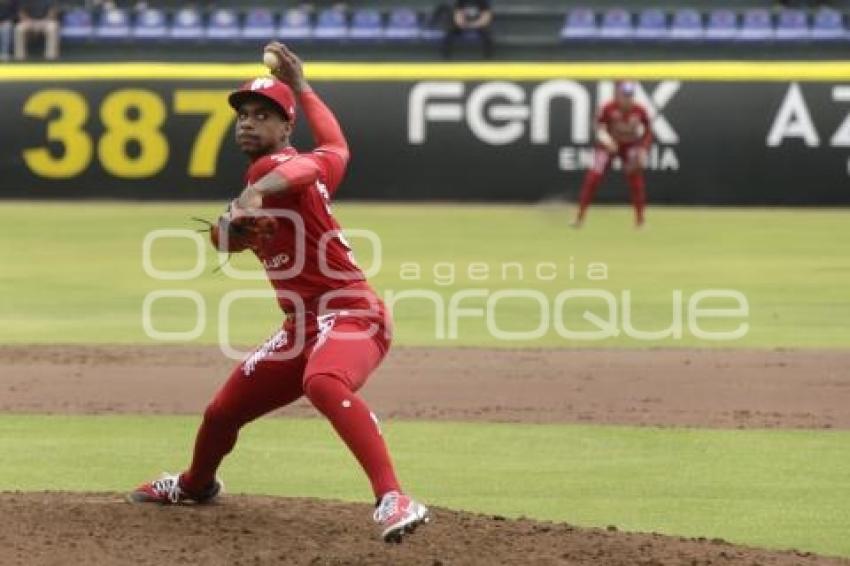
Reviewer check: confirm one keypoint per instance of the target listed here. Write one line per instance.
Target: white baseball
(271, 60)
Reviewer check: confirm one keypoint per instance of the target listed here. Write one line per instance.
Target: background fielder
(624, 131)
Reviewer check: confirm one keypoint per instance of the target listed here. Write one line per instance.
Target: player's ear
(286, 130)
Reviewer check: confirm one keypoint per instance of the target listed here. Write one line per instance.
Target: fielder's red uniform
(631, 131)
(336, 330)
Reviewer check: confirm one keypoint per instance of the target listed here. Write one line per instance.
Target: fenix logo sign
(501, 113)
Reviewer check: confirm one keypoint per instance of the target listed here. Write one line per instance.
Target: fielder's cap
(271, 89)
(627, 87)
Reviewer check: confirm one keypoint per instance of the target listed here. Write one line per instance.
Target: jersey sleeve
(259, 169)
(330, 156)
(304, 169)
(299, 170)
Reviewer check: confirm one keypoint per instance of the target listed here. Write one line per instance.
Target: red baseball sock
(637, 187)
(588, 189)
(357, 426)
(215, 439)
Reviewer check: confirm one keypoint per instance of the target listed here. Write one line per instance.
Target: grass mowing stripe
(792, 266)
(772, 488)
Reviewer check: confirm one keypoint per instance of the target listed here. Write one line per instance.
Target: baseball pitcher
(335, 330)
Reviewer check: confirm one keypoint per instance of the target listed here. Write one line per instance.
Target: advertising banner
(432, 133)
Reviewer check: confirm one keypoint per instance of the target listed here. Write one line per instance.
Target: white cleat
(399, 515)
(167, 490)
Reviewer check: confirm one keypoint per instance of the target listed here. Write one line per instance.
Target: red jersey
(626, 126)
(308, 255)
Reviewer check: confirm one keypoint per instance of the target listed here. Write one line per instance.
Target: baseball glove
(243, 230)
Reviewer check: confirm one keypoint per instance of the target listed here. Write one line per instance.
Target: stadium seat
(722, 25)
(77, 24)
(687, 25)
(580, 24)
(366, 23)
(187, 24)
(792, 25)
(828, 24)
(616, 24)
(113, 24)
(259, 24)
(295, 24)
(331, 24)
(432, 29)
(150, 24)
(652, 24)
(223, 24)
(756, 25)
(403, 23)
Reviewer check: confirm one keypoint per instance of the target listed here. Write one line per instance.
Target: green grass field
(769, 488)
(72, 273)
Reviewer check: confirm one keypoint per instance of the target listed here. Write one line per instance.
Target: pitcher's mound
(102, 529)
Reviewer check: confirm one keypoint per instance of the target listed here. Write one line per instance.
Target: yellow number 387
(132, 118)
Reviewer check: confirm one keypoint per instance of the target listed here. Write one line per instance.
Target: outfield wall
(726, 132)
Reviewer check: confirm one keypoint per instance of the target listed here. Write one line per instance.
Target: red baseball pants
(634, 177)
(339, 353)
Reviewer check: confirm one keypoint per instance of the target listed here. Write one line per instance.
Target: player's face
(260, 128)
(624, 100)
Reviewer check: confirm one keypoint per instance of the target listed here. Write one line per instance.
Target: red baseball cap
(267, 87)
(626, 87)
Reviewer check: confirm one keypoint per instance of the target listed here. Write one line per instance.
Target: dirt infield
(100, 529)
(670, 388)
(703, 388)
